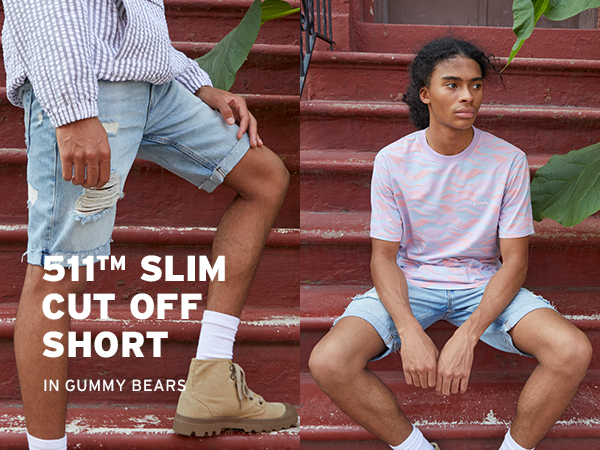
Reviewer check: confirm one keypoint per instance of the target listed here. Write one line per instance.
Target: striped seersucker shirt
(64, 46)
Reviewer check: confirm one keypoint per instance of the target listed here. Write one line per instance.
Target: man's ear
(424, 95)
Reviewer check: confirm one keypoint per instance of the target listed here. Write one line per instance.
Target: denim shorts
(165, 124)
(455, 306)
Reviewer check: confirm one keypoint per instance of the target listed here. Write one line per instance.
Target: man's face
(454, 94)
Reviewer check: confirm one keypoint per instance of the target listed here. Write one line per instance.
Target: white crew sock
(416, 441)
(510, 444)
(46, 444)
(217, 336)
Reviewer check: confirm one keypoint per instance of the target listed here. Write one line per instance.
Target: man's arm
(456, 358)
(418, 352)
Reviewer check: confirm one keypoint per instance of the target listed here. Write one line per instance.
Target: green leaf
(526, 13)
(274, 9)
(225, 59)
(567, 188)
(563, 9)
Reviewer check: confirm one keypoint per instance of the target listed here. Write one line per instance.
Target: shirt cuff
(194, 78)
(73, 113)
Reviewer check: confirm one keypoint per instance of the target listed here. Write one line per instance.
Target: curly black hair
(424, 64)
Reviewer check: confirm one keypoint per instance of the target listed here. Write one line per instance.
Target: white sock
(510, 444)
(416, 441)
(46, 444)
(217, 336)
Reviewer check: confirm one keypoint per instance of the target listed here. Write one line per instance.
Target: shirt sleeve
(192, 77)
(52, 41)
(516, 219)
(386, 222)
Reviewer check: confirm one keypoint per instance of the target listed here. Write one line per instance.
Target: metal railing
(315, 22)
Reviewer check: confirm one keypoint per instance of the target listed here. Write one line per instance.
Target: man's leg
(45, 411)
(338, 364)
(261, 181)
(563, 353)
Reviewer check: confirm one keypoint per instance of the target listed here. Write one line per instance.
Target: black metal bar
(311, 29)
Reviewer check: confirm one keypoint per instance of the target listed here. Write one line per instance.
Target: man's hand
(454, 364)
(84, 153)
(233, 109)
(419, 356)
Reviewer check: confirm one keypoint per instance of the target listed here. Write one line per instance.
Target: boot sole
(203, 427)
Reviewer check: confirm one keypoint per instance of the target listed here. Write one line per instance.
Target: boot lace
(239, 376)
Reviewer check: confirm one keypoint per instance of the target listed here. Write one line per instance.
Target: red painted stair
(163, 215)
(351, 108)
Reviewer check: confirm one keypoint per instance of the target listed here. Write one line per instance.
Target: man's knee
(570, 354)
(325, 364)
(260, 175)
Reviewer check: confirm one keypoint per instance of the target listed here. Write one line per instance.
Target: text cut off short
(165, 124)
(455, 306)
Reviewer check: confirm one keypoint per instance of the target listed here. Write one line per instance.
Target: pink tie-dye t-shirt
(448, 212)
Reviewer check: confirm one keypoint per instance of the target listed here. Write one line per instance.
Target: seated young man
(446, 202)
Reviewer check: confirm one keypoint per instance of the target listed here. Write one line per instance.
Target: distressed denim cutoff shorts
(455, 306)
(165, 124)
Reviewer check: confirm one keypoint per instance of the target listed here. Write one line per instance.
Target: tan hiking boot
(216, 397)
(435, 446)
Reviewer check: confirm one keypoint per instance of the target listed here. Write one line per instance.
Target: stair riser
(211, 21)
(544, 43)
(272, 370)
(494, 363)
(320, 302)
(482, 412)
(457, 444)
(154, 197)
(372, 133)
(211, 26)
(265, 71)
(384, 80)
(275, 285)
(549, 267)
(278, 124)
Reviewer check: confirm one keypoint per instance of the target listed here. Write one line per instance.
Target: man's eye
(451, 85)
(477, 86)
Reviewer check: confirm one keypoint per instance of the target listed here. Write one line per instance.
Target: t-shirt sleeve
(386, 221)
(516, 218)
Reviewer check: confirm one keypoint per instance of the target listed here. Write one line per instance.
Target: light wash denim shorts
(165, 124)
(455, 306)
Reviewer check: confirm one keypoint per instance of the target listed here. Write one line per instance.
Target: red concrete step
(544, 43)
(329, 125)
(122, 427)
(335, 248)
(383, 77)
(269, 69)
(267, 347)
(153, 196)
(275, 285)
(340, 180)
(211, 20)
(321, 304)
(477, 419)
(277, 116)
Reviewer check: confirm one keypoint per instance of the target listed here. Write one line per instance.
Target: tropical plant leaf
(563, 9)
(274, 9)
(526, 13)
(567, 188)
(225, 59)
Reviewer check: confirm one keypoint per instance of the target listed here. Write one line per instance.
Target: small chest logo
(480, 203)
